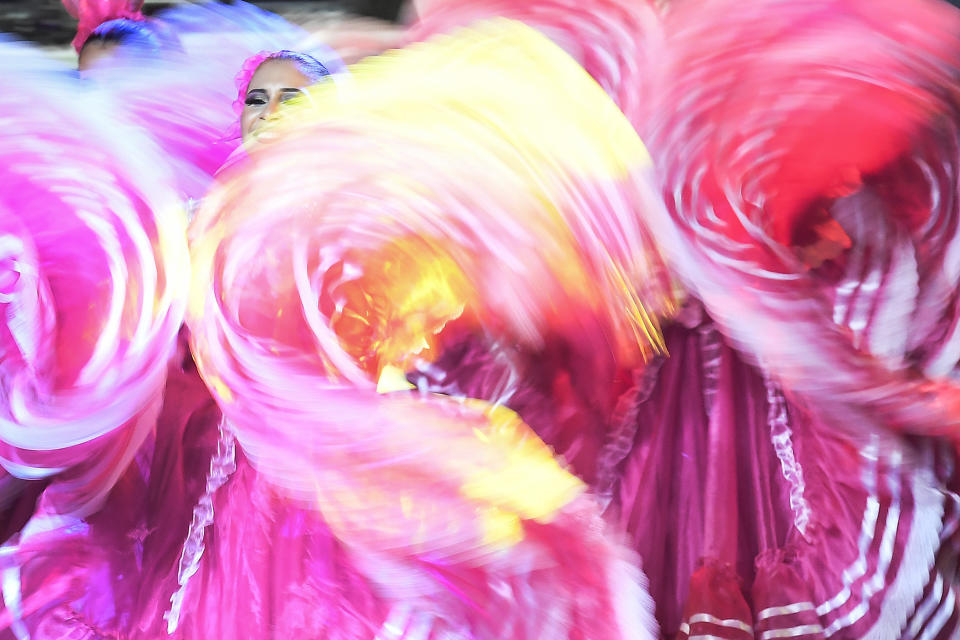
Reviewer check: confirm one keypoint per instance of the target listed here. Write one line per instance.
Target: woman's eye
(290, 95)
(252, 101)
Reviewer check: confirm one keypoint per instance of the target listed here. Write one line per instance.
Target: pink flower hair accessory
(90, 14)
(245, 75)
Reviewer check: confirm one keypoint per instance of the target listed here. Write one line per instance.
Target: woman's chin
(259, 137)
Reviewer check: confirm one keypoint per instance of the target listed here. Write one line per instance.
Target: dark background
(46, 22)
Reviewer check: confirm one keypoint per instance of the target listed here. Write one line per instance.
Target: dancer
(311, 547)
(409, 496)
(106, 26)
(95, 268)
(755, 480)
(818, 239)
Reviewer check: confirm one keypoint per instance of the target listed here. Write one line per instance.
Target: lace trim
(222, 465)
(780, 436)
(625, 424)
(77, 621)
(711, 350)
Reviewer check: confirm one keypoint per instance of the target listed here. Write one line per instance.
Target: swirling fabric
(616, 41)
(95, 271)
(814, 152)
(312, 297)
(95, 268)
(152, 91)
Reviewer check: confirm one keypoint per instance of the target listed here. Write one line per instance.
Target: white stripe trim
(941, 618)
(732, 623)
(706, 618)
(891, 526)
(926, 608)
(919, 554)
(786, 610)
(923, 517)
(950, 527)
(868, 529)
(793, 632)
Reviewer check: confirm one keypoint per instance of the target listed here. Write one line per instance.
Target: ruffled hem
(786, 530)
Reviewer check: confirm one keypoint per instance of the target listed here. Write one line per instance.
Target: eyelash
(259, 101)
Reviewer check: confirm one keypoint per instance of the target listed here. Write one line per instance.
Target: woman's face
(275, 81)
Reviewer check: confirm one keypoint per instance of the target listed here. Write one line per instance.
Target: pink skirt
(754, 519)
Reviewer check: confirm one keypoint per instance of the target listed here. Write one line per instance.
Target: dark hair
(146, 35)
(307, 64)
